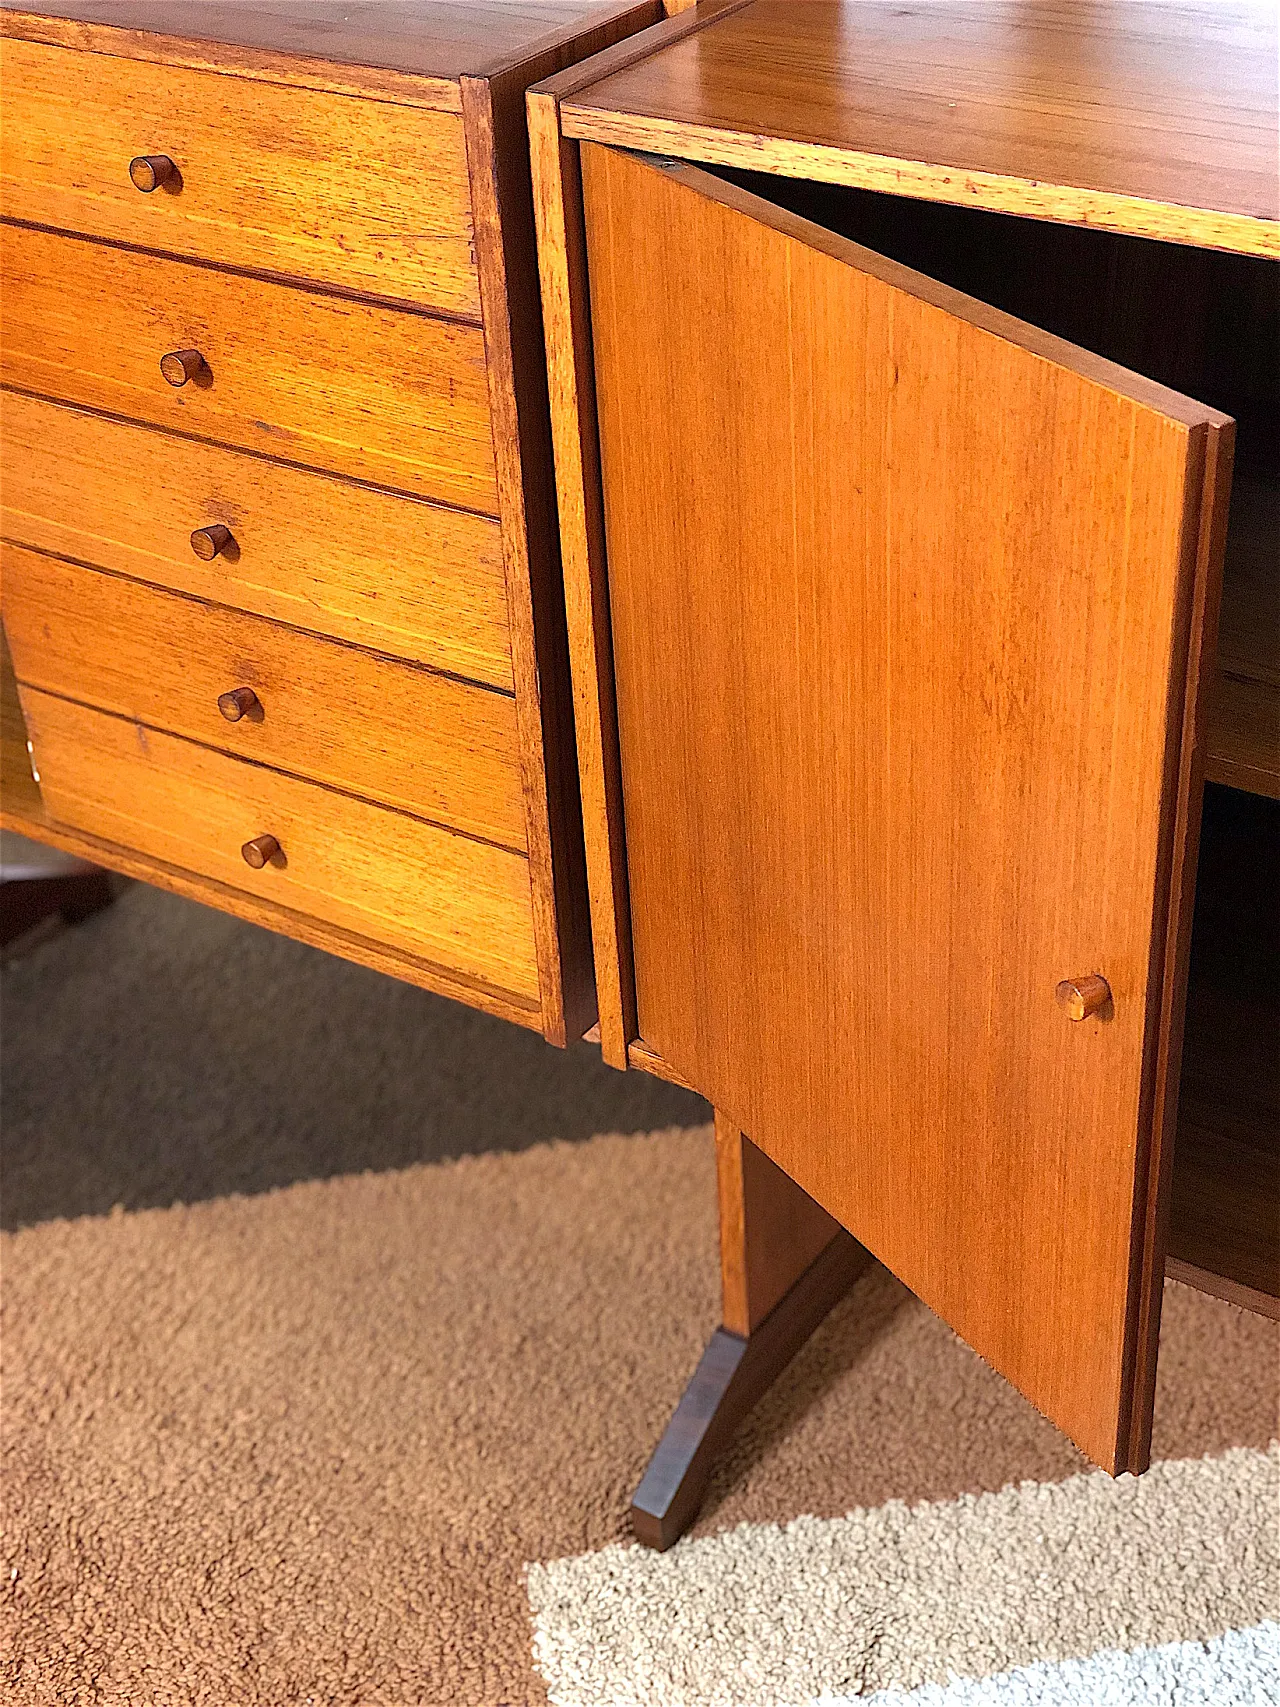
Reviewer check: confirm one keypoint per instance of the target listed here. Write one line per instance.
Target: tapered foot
(735, 1371)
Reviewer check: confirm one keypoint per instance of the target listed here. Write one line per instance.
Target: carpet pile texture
(338, 1323)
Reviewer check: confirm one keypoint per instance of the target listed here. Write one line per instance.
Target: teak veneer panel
(380, 874)
(380, 394)
(498, 152)
(557, 212)
(406, 50)
(770, 1230)
(299, 182)
(907, 607)
(397, 574)
(571, 382)
(398, 734)
(1149, 117)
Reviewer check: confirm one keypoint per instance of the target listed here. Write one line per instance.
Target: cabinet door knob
(148, 171)
(240, 702)
(181, 365)
(260, 851)
(1080, 997)
(208, 542)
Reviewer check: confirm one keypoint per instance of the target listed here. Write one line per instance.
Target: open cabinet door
(908, 600)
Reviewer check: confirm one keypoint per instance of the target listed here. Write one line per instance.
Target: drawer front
(397, 574)
(459, 903)
(362, 194)
(397, 733)
(377, 393)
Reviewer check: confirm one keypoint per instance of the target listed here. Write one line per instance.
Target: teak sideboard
(912, 380)
(914, 385)
(281, 574)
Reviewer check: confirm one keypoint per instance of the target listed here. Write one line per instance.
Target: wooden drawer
(457, 902)
(394, 573)
(365, 194)
(395, 732)
(377, 393)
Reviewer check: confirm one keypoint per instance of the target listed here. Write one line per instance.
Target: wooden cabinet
(895, 532)
(281, 575)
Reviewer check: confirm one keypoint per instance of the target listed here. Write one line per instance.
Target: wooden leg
(783, 1263)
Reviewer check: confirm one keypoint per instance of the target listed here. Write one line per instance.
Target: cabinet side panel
(566, 310)
(498, 154)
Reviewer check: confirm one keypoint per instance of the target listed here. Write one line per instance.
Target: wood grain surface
(770, 1230)
(392, 732)
(380, 874)
(396, 574)
(1192, 655)
(681, 21)
(298, 182)
(22, 810)
(376, 393)
(501, 194)
(497, 157)
(401, 49)
(646, 1060)
(903, 617)
(557, 194)
(1147, 117)
(557, 209)
(1244, 732)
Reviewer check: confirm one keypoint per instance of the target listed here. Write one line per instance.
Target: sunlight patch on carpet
(1240, 1669)
(1118, 1575)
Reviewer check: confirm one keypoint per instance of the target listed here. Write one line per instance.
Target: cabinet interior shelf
(1225, 1218)
(1243, 746)
(1225, 1215)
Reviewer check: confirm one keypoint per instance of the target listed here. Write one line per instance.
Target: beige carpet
(283, 1431)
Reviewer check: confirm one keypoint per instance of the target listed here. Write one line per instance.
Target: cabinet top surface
(427, 38)
(1156, 116)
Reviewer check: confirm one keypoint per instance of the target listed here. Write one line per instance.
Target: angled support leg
(784, 1262)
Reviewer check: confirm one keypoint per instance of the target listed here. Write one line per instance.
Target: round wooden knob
(240, 702)
(181, 365)
(208, 542)
(260, 851)
(1080, 997)
(148, 171)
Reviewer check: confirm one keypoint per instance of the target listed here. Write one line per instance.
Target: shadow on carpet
(163, 1052)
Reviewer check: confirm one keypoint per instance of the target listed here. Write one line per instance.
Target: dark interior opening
(1201, 322)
